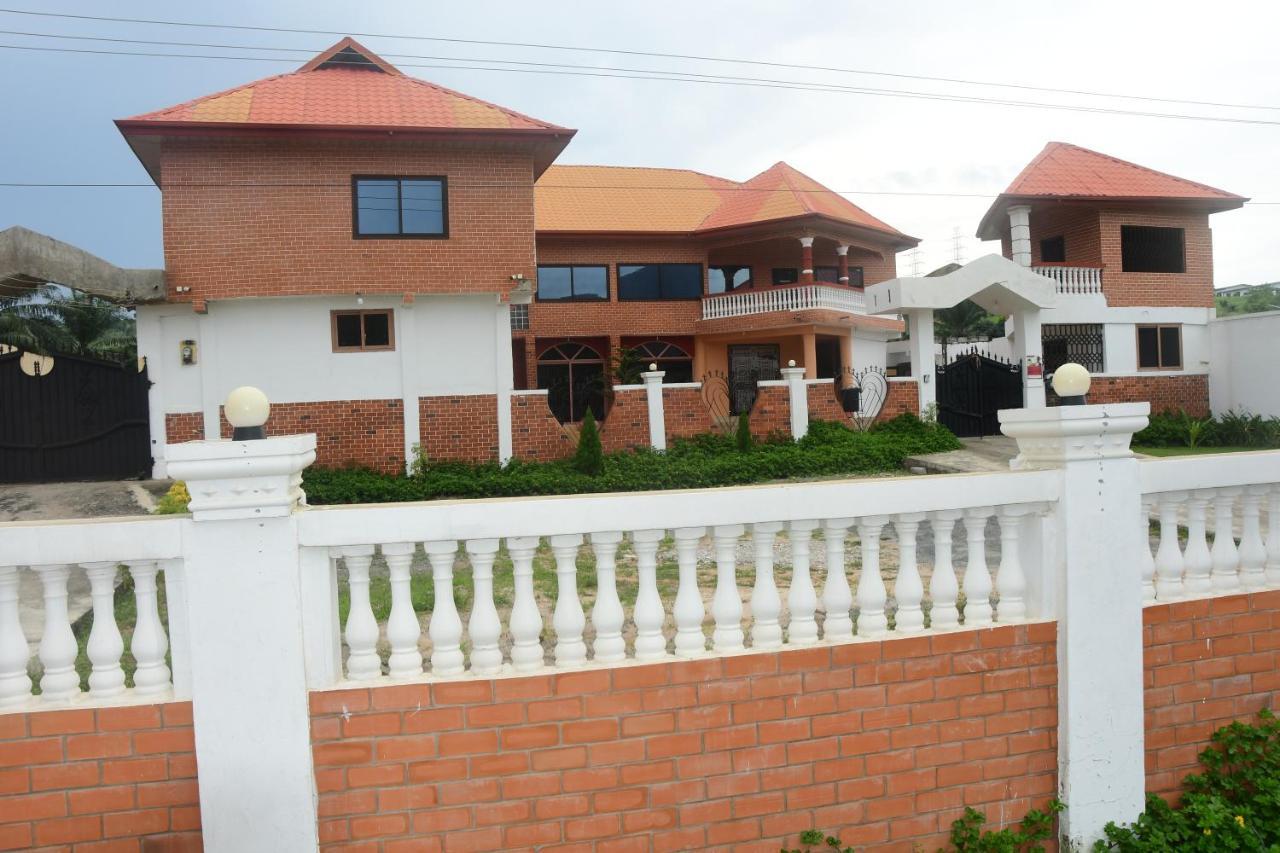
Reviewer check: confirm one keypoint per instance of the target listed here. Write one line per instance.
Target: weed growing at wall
(829, 450)
(1230, 429)
(174, 501)
(967, 835)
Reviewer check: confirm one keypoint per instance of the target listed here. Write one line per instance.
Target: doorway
(748, 365)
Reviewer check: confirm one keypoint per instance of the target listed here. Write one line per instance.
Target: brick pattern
(366, 433)
(535, 433)
(1207, 662)
(901, 398)
(184, 426)
(771, 412)
(459, 427)
(823, 405)
(99, 779)
(265, 217)
(685, 413)
(883, 743)
(627, 425)
(1181, 392)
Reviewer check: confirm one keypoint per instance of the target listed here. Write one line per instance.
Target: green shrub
(1233, 805)
(967, 835)
(589, 457)
(743, 436)
(1230, 429)
(811, 837)
(173, 501)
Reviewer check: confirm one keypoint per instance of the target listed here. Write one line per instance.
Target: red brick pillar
(842, 264)
(806, 260)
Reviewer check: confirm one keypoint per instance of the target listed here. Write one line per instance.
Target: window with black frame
(573, 283)
(724, 278)
(1160, 347)
(573, 375)
(1081, 343)
(1053, 250)
(647, 282)
(1147, 248)
(675, 361)
(392, 207)
(785, 275)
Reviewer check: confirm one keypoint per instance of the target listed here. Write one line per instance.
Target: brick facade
(535, 433)
(99, 779)
(771, 412)
(459, 427)
(883, 743)
(1188, 392)
(183, 426)
(627, 425)
(823, 405)
(364, 433)
(1208, 662)
(686, 413)
(903, 397)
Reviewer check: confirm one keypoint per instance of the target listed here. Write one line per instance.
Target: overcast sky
(59, 106)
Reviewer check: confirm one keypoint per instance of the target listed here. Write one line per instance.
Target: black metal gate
(81, 419)
(749, 364)
(972, 389)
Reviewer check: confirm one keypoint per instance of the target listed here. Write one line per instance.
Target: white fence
(1073, 281)
(1244, 351)
(798, 298)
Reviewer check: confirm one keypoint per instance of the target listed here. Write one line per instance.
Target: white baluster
(403, 629)
(1011, 580)
(149, 642)
(649, 614)
(1273, 538)
(1226, 557)
(766, 604)
(1196, 559)
(802, 599)
(445, 628)
(726, 603)
(977, 576)
(526, 618)
(1169, 555)
(362, 629)
(872, 595)
(606, 613)
(58, 644)
(1253, 553)
(15, 684)
(688, 610)
(1147, 567)
(569, 620)
(105, 644)
(944, 589)
(908, 590)
(484, 629)
(837, 598)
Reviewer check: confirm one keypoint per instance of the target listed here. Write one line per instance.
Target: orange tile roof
(584, 199)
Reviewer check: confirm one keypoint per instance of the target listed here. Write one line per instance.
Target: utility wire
(644, 53)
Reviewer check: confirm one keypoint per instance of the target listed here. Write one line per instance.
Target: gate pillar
(1030, 352)
(920, 328)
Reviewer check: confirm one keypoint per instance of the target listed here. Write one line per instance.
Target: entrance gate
(748, 365)
(972, 389)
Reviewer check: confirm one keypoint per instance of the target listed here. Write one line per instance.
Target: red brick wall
(823, 405)
(459, 427)
(883, 743)
(367, 433)
(627, 426)
(535, 433)
(99, 779)
(223, 240)
(1192, 288)
(771, 412)
(1079, 228)
(685, 412)
(184, 426)
(901, 398)
(1208, 662)
(1182, 392)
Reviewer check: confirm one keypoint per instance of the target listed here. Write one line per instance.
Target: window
(659, 281)
(1159, 347)
(519, 318)
(573, 375)
(1145, 248)
(785, 275)
(1078, 342)
(677, 363)
(726, 277)
(389, 207)
(362, 331)
(1053, 250)
(827, 275)
(563, 284)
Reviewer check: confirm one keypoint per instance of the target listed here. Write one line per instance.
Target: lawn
(1191, 451)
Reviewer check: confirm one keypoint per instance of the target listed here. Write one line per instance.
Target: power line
(649, 54)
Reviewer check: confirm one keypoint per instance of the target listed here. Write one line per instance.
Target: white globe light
(247, 406)
(653, 365)
(791, 362)
(1071, 380)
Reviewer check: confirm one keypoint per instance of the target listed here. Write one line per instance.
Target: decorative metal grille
(519, 318)
(1078, 342)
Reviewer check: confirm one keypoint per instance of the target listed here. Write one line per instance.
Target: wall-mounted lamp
(187, 350)
(359, 298)
(1071, 382)
(247, 409)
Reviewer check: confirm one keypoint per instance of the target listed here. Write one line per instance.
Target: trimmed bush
(589, 457)
(1230, 429)
(743, 435)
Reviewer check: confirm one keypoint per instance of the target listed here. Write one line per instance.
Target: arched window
(674, 360)
(573, 375)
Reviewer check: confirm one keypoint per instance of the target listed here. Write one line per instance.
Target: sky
(59, 107)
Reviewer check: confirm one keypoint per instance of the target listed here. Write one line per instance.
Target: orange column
(806, 260)
(810, 355)
(846, 360)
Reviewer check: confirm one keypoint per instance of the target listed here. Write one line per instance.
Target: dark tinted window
(377, 330)
(785, 275)
(639, 282)
(681, 281)
(1170, 346)
(355, 331)
(827, 275)
(1053, 250)
(348, 330)
(421, 207)
(855, 276)
(1160, 347)
(555, 283)
(400, 207)
(1145, 248)
(377, 207)
(559, 283)
(726, 277)
(591, 282)
(659, 281)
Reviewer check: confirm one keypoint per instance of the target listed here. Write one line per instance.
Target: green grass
(1191, 451)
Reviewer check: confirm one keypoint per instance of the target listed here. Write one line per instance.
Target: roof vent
(349, 58)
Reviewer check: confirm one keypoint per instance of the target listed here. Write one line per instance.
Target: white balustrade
(1148, 569)
(403, 629)
(1197, 561)
(1224, 574)
(445, 628)
(362, 628)
(766, 604)
(15, 684)
(688, 611)
(726, 604)
(944, 587)
(569, 620)
(977, 576)
(837, 598)
(1169, 556)
(105, 643)
(650, 613)
(526, 618)
(1273, 538)
(872, 595)
(59, 683)
(484, 628)
(606, 614)
(1252, 552)
(799, 298)
(149, 643)
(1011, 580)
(802, 598)
(908, 590)
(1073, 281)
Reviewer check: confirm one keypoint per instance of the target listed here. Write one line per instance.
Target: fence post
(798, 395)
(245, 635)
(657, 415)
(1097, 573)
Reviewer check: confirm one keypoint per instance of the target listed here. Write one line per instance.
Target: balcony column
(842, 265)
(1020, 233)
(810, 355)
(806, 260)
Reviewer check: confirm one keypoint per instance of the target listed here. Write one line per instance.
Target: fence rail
(801, 298)
(1073, 281)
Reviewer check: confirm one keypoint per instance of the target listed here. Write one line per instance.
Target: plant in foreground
(967, 835)
(811, 837)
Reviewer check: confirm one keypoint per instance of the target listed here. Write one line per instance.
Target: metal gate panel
(750, 364)
(972, 389)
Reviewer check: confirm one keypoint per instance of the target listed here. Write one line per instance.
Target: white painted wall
(868, 350)
(1245, 352)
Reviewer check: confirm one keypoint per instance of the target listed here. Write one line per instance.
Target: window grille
(519, 318)
(1078, 342)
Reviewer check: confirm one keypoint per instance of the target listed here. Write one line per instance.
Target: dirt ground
(48, 501)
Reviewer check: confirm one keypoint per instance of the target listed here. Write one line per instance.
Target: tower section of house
(1132, 254)
(349, 239)
(712, 280)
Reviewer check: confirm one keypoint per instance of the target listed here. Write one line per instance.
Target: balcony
(801, 298)
(1074, 281)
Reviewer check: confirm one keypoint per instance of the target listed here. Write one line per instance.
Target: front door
(749, 364)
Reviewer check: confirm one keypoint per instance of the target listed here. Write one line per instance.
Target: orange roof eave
(990, 228)
(156, 127)
(905, 240)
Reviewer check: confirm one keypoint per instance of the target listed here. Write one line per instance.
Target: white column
(403, 630)
(1253, 554)
(837, 598)
(569, 620)
(726, 603)
(688, 610)
(872, 595)
(1101, 758)
(908, 590)
(1148, 571)
(802, 599)
(15, 684)
(211, 389)
(649, 614)
(175, 595)
(59, 683)
(977, 575)
(1020, 233)
(920, 325)
(321, 631)
(484, 629)
(362, 628)
(944, 588)
(1011, 582)
(1197, 560)
(148, 643)
(766, 604)
(1225, 575)
(445, 627)
(526, 618)
(105, 643)
(1169, 554)
(798, 398)
(1030, 350)
(410, 369)
(1273, 538)
(606, 614)
(657, 414)
(249, 687)
(503, 378)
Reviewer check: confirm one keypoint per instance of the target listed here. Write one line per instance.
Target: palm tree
(51, 320)
(966, 319)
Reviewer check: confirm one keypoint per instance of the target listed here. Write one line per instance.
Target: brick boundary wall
(459, 427)
(99, 779)
(882, 742)
(901, 398)
(1208, 661)
(367, 433)
(686, 413)
(535, 432)
(183, 426)
(1187, 392)
(771, 412)
(823, 405)
(627, 425)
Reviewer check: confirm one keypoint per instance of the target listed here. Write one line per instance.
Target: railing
(801, 298)
(1182, 490)
(1073, 281)
(149, 551)
(676, 561)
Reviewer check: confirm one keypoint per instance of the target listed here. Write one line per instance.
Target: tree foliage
(1265, 297)
(965, 320)
(51, 320)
